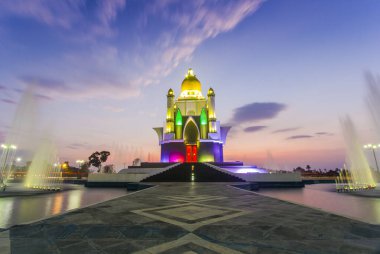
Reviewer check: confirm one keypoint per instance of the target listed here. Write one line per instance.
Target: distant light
(13, 147)
(365, 146)
(4, 146)
(18, 159)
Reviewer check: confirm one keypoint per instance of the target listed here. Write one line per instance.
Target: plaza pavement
(193, 218)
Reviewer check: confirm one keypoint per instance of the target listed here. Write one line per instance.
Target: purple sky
(284, 72)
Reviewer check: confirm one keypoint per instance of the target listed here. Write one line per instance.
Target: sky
(284, 73)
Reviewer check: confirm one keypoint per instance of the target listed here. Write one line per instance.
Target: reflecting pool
(324, 197)
(23, 209)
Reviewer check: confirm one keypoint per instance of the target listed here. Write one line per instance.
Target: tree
(308, 167)
(96, 159)
(108, 169)
(104, 156)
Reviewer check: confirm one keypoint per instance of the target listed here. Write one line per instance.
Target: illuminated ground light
(245, 170)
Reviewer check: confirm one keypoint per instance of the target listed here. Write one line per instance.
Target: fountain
(44, 172)
(358, 175)
(6, 164)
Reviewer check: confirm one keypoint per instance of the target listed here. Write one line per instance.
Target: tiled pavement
(193, 218)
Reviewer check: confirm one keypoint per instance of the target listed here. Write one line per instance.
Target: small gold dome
(171, 92)
(211, 92)
(191, 82)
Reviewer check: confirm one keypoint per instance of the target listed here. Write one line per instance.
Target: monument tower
(192, 132)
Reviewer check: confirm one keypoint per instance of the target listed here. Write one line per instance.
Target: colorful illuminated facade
(191, 132)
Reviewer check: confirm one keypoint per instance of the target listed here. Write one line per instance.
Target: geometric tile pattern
(193, 198)
(189, 244)
(191, 216)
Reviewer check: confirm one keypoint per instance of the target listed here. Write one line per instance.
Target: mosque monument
(192, 132)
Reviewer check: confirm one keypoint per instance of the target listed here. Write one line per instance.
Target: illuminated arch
(191, 134)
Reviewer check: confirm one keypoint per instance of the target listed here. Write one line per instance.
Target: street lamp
(373, 148)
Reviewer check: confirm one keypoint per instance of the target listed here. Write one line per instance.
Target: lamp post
(373, 148)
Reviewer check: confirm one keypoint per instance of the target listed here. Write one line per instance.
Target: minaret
(170, 112)
(211, 110)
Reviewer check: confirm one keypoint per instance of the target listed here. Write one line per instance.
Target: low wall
(140, 170)
(153, 165)
(130, 177)
(227, 163)
(274, 177)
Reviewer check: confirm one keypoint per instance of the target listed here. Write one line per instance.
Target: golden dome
(191, 82)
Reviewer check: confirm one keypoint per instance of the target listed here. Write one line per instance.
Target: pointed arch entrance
(191, 137)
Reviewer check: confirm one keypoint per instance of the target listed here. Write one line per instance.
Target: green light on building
(203, 117)
(178, 118)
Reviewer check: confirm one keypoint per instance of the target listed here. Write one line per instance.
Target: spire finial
(190, 73)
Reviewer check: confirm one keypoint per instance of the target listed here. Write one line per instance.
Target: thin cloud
(186, 30)
(44, 83)
(300, 137)
(286, 130)
(323, 133)
(255, 128)
(257, 111)
(8, 101)
(76, 146)
(68, 15)
(96, 67)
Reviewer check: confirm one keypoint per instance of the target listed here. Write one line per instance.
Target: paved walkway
(193, 218)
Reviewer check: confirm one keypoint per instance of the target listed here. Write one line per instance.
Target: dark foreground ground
(193, 218)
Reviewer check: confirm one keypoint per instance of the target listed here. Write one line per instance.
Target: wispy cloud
(323, 133)
(44, 83)
(181, 33)
(69, 15)
(286, 130)
(186, 29)
(99, 62)
(8, 101)
(76, 146)
(300, 137)
(257, 111)
(254, 128)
